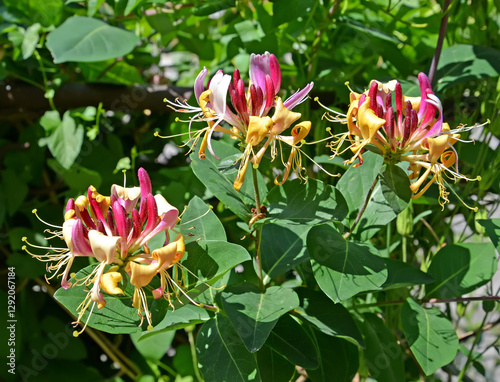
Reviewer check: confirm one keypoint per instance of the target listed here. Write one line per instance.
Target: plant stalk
(192, 345)
(439, 46)
(258, 235)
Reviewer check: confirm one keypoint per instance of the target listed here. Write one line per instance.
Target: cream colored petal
(104, 247)
(67, 233)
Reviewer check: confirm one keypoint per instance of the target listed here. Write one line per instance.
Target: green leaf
(492, 228)
(306, 203)
(273, 367)
(213, 6)
(50, 121)
(253, 313)
(92, 6)
(343, 268)
(383, 355)
(47, 13)
(356, 181)
(79, 178)
(111, 72)
(161, 22)
(30, 40)
(401, 275)
(249, 31)
(210, 259)
(85, 39)
(66, 141)
(183, 363)
(377, 215)
(178, 319)
(154, 346)
(463, 63)
(285, 11)
(131, 4)
(461, 268)
(283, 247)
(339, 360)
(355, 185)
(430, 335)
(218, 177)
(332, 319)
(221, 354)
(14, 189)
(395, 186)
(291, 341)
(201, 222)
(118, 316)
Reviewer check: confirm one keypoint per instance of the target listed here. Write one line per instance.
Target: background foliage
(81, 96)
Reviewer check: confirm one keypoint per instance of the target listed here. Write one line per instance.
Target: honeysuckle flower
(414, 132)
(115, 230)
(248, 114)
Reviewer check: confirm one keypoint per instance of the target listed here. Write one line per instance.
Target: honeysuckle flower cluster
(247, 116)
(116, 230)
(414, 132)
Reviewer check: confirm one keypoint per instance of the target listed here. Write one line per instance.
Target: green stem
(167, 368)
(470, 355)
(404, 242)
(426, 300)
(45, 82)
(363, 208)
(258, 235)
(192, 345)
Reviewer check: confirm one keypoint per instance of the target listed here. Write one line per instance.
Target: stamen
(77, 333)
(34, 211)
(210, 208)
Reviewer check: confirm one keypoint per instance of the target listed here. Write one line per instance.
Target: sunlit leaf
(283, 247)
(430, 335)
(254, 313)
(461, 268)
(85, 39)
(343, 268)
(310, 203)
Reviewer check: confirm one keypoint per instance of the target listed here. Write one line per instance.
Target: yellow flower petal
(141, 275)
(109, 283)
(283, 118)
(170, 254)
(258, 127)
(368, 122)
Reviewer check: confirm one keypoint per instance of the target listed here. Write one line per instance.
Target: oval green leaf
(343, 268)
(383, 355)
(221, 354)
(431, 336)
(253, 313)
(85, 39)
(461, 268)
